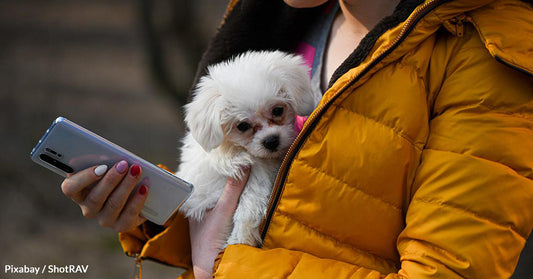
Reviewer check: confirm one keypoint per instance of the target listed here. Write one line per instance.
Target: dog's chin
(268, 154)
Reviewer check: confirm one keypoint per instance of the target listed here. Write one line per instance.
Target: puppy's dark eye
(277, 111)
(243, 126)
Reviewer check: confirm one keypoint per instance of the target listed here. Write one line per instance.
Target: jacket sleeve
(470, 211)
(169, 245)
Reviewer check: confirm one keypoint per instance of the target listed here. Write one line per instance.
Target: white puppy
(242, 114)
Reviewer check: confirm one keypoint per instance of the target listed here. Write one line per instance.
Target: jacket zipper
(419, 13)
(138, 270)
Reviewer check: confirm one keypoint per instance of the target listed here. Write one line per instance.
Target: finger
(99, 193)
(130, 216)
(229, 199)
(74, 186)
(116, 200)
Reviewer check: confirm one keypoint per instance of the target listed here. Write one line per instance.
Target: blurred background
(120, 68)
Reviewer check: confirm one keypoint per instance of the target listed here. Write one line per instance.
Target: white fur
(243, 89)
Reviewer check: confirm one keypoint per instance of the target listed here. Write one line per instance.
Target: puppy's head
(251, 102)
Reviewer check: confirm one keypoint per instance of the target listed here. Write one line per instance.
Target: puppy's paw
(196, 206)
(248, 235)
(232, 240)
(197, 213)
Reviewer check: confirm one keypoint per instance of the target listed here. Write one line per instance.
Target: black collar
(272, 25)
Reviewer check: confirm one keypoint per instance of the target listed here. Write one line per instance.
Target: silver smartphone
(68, 148)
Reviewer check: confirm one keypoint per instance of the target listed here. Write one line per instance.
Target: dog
(242, 114)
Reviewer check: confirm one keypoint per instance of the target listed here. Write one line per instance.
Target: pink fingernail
(122, 166)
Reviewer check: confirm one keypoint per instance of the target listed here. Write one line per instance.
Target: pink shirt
(299, 123)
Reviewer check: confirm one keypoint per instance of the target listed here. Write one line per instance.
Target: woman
(417, 163)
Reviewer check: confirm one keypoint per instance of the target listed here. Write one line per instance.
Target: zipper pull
(138, 271)
(458, 22)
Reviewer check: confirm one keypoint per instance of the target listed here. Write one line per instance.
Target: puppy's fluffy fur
(242, 114)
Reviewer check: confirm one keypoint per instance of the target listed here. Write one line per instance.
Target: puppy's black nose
(271, 143)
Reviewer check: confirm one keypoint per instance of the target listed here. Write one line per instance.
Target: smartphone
(68, 148)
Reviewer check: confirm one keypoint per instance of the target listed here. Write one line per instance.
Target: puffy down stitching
(392, 262)
(387, 203)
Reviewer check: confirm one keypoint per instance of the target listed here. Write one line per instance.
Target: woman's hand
(105, 195)
(208, 237)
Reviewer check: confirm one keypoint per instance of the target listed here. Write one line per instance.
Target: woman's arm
(208, 237)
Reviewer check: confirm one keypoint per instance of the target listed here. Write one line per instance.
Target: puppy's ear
(295, 83)
(202, 115)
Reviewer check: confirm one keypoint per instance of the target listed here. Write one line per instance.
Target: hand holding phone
(69, 148)
(106, 194)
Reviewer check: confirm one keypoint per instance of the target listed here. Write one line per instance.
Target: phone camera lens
(51, 151)
(64, 167)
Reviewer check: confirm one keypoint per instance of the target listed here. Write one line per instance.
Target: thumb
(229, 199)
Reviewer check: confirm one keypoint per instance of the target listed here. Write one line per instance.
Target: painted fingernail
(143, 190)
(100, 170)
(245, 168)
(122, 166)
(135, 170)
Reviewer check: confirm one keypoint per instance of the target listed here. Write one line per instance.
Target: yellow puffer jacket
(418, 162)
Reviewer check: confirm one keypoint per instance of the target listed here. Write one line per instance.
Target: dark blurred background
(120, 68)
